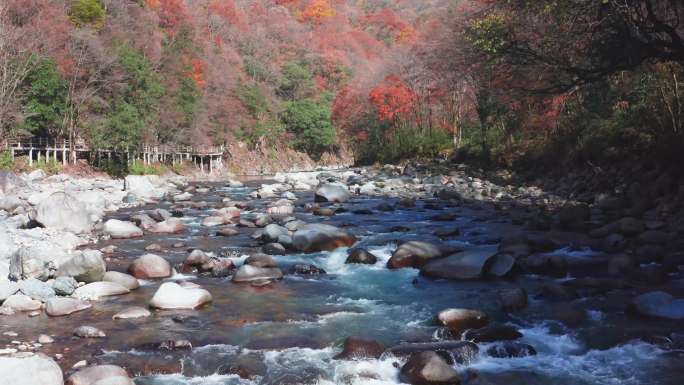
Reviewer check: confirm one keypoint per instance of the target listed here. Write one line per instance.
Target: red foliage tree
(392, 98)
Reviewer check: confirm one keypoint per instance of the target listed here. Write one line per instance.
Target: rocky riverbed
(363, 276)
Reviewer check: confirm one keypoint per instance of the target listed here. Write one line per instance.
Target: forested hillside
(386, 79)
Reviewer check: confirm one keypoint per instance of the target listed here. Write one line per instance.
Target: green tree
(297, 81)
(44, 99)
(83, 12)
(311, 122)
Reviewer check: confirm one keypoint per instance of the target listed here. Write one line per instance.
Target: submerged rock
(132, 312)
(426, 368)
(511, 349)
(306, 269)
(658, 304)
(171, 295)
(31, 370)
(89, 332)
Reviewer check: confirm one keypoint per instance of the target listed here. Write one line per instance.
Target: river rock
(513, 299)
(654, 237)
(36, 289)
(21, 302)
(126, 280)
(227, 232)
(23, 265)
(63, 211)
(320, 237)
(426, 368)
(30, 370)
(491, 333)
(416, 254)
(500, 265)
(462, 352)
(273, 231)
(89, 332)
(95, 375)
(261, 260)
(145, 186)
(87, 266)
(132, 312)
(249, 273)
(169, 226)
(213, 221)
(630, 226)
(359, 348)
(459, 320)
(95, 290)
(361, 256)
(306, 269)
(273, 248)
(143, 221)
(330, 192)
(574, 217)
(468, 264)
(510, 349)
(61, 306)
(7, 288)
(171, 295)
(121, 229)
(659, 304)
(64, 285)
(150, 266)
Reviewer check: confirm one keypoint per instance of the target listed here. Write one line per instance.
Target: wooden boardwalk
(206, 158)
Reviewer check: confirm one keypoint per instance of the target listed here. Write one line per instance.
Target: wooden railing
(81, 145)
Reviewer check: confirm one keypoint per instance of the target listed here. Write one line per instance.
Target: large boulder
(171, 295)
(121, 229)
(64, 285)
(150, 266)
(145, 186)
(98, 375)
(658, 304)
(86, 266)
(319, 237)
(24, 264)
(9, 182)
(332, 192)
(36, 289)
(459, 320)
(467, 264)
(428, 368)
(95, 290)
(273, 231)
(30, 370)
(61, 306)
(63, 211)
(417, 254)
(126, 280)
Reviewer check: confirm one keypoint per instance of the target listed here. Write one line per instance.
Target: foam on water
(564, 358)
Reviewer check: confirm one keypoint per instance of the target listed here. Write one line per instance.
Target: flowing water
(289, 331)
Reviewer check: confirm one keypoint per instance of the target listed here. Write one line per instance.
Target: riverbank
(544, 270)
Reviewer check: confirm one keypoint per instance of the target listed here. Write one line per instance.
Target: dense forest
(498, 80)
